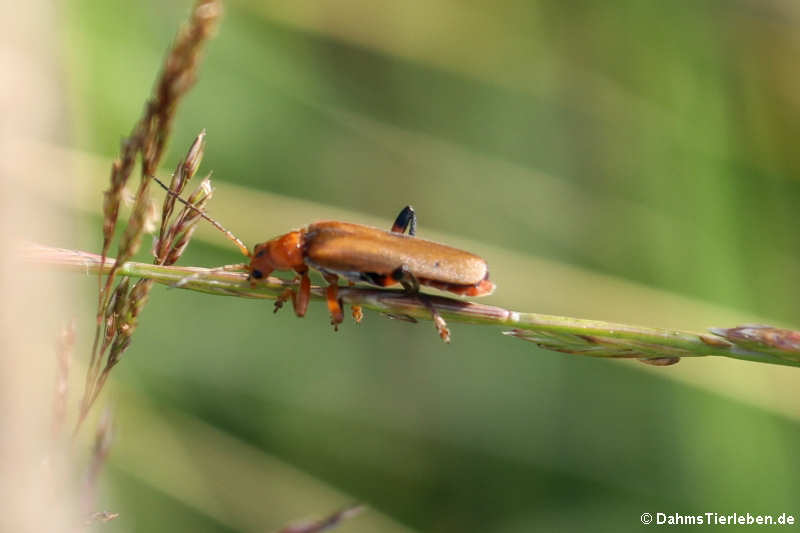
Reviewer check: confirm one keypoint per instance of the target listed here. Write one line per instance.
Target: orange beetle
(363, 254)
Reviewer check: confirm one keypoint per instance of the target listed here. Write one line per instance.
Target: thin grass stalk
(569, 335)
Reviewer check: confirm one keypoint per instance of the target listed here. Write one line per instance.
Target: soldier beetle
(365, 254)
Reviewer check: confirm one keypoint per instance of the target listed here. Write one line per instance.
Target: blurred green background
(625, 160)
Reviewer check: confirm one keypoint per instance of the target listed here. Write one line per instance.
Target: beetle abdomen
(343, 248)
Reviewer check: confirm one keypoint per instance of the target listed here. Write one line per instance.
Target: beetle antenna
(236, 240)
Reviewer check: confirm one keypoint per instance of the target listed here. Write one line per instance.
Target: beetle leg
(404, 277)
(438, 321)
(407, 219)
(334, 303)
(302, 296)
(283, 298)
(411, 284)
(299, 297)
(358, 314)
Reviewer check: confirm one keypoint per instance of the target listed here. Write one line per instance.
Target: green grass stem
(564, 334)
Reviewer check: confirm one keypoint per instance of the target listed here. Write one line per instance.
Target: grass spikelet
(176, 231)
(187, 221)
(118, 309)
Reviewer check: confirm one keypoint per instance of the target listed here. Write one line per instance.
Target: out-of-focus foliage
(654, 141)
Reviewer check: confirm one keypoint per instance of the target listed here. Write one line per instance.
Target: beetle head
(281, 253)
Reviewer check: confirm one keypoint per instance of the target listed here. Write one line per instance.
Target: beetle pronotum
(362, 254)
